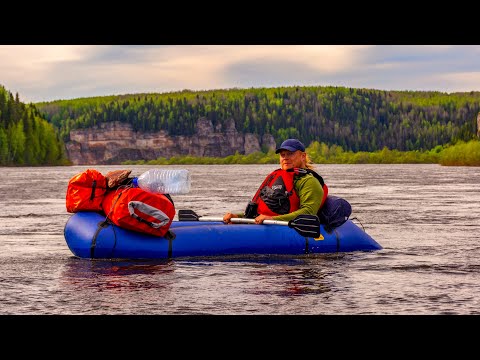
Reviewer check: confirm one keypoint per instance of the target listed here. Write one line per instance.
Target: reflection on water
(113, 275)
(297, 282)
(426, 217)
(160, 287)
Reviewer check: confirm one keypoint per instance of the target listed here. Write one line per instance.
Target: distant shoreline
(460, 154)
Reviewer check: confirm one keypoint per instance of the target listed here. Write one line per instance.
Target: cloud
(45, 73)
(459, 81)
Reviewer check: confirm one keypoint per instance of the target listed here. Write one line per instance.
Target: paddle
(305, 225)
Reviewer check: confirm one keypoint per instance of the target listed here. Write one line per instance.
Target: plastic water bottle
(164, 181)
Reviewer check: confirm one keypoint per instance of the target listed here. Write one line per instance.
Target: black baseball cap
(291, 145)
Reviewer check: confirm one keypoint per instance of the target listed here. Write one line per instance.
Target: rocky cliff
(114, 142)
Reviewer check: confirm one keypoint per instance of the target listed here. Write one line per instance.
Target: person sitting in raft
(292, 190)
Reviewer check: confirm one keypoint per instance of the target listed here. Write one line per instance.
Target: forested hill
(25, 137)
(355, 119)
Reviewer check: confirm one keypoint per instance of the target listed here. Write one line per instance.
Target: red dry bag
(139, 210)
(85, 191)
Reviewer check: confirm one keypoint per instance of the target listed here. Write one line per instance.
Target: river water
(426, 217)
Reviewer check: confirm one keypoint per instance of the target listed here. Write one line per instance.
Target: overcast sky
(45, 73)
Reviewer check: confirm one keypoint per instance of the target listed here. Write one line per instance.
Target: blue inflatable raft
(89, 236)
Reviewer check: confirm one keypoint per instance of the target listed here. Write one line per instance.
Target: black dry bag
(334, 212)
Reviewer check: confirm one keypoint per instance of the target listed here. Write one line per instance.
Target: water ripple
(426, 217)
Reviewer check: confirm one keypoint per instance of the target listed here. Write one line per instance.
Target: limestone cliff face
(114, 142)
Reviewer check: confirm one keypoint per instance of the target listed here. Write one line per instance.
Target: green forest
(26, 138)
(348, 125)
(355, 119)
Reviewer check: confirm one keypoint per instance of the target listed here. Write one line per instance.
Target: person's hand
(228, 216)
(259, 219)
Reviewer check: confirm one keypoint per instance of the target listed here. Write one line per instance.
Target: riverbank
(460, 154)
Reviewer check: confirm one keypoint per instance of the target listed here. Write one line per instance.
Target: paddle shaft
(243, 220)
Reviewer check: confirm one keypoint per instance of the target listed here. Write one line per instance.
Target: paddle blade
(306, 225)
(187, 215)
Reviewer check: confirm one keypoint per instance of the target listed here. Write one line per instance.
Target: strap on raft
(101, 225)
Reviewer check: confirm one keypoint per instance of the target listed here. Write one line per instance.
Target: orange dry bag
(139, 210)
(85, 191)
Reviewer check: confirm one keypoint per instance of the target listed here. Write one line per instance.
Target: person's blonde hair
(309, 164)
